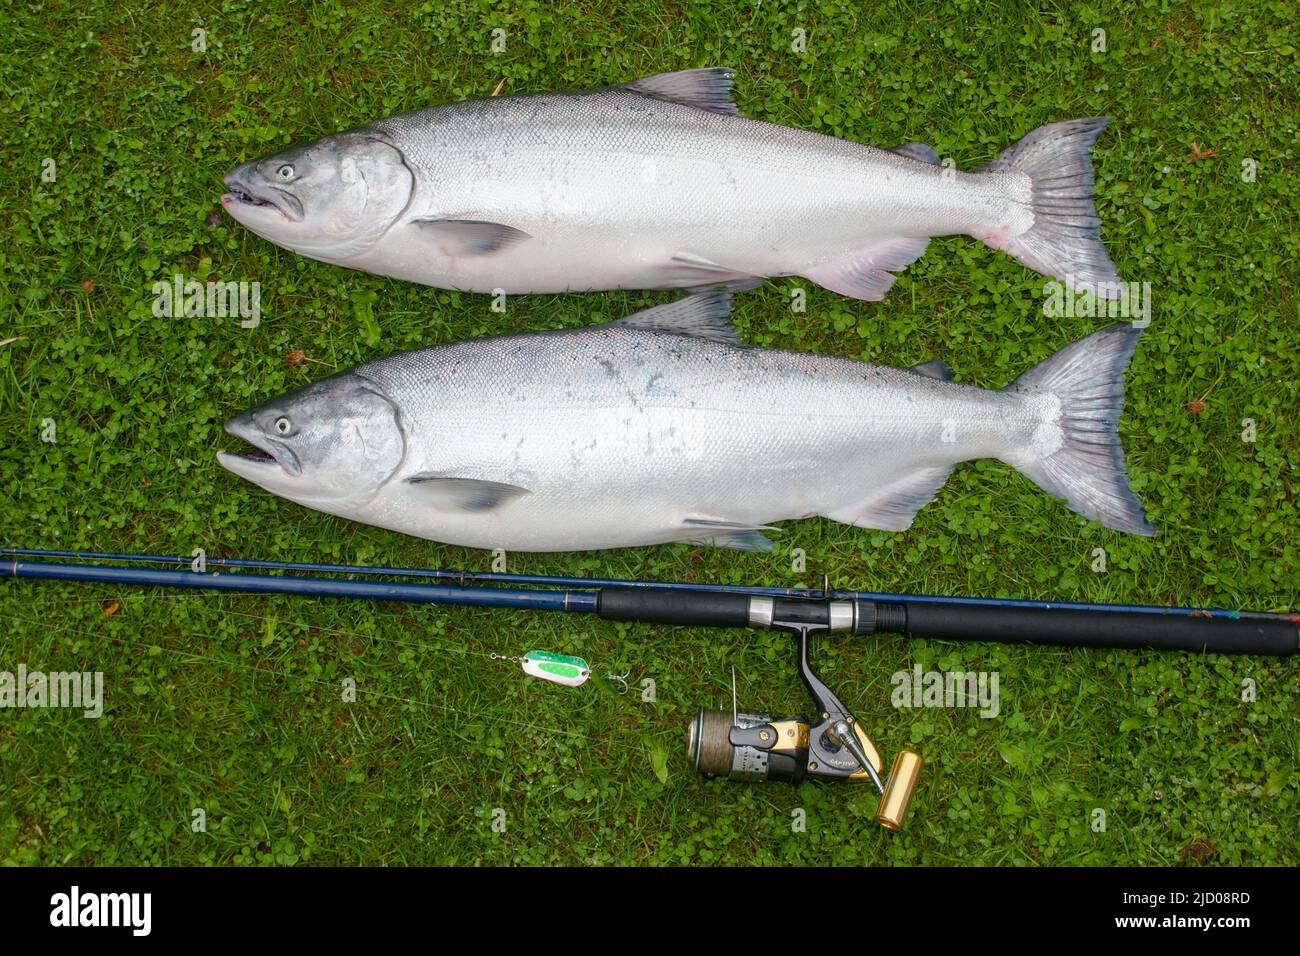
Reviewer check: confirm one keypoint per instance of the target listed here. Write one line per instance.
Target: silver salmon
(656, 184)
(662, 427)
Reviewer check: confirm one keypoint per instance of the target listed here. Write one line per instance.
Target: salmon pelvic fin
(1065, 239)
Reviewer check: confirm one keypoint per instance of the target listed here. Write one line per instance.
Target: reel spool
(708, 741)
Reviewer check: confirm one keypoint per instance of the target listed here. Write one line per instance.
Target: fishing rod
(501, 577)
(831, 745)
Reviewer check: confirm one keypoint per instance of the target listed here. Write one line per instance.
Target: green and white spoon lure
(556, 668)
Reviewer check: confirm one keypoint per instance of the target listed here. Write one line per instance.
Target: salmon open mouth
(261, 455)
(255, 454)
(252, 460)
(249, 195)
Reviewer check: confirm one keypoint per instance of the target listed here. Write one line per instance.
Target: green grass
(232, 704)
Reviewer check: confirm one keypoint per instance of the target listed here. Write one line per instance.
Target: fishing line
(339, 632)
(560, 669)
(284, 675)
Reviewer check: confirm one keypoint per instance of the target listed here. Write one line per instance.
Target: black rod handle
(1068, 628)
(655, 606)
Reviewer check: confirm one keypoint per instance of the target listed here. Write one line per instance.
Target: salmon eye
(282, 425)
(285, 172)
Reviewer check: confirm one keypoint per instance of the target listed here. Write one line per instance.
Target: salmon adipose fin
(1065, 238)
(1084, 462)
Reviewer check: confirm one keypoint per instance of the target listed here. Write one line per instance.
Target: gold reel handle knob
(894, 802)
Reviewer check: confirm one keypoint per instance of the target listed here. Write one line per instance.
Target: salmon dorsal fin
(705, 315)
(706, 89)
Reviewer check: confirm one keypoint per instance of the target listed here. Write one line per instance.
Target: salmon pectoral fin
(893, 506)
(468, 237)
(868, 273)
(726, 534)
(464, 495)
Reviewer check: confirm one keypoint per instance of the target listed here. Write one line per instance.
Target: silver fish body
(657, 428)
(659, 184)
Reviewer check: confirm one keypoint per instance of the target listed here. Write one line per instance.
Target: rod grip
(1276, 637)
(659, 606)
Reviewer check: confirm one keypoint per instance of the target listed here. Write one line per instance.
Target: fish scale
(735, 434)
(659, 183)
(662, 427)
(664, 178)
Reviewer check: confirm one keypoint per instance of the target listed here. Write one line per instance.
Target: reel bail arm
(838, 747)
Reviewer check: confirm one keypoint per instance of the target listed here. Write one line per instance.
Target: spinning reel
(831, 746)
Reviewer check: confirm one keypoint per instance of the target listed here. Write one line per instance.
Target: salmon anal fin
(869, 273)
(892, 507)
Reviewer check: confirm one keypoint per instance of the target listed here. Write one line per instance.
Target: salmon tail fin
(1064, 240)
(1076, 454)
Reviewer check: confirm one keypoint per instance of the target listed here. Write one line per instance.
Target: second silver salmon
(662, 427)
